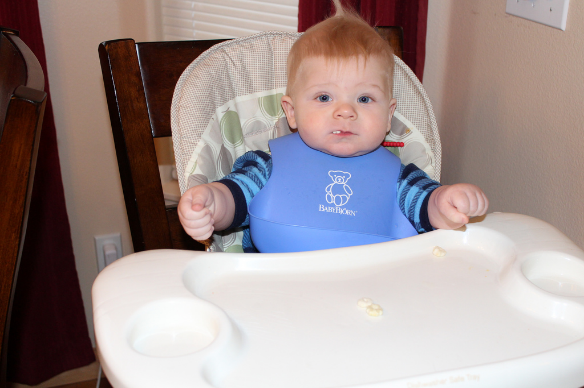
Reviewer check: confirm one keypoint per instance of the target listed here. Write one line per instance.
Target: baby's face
(341, 108)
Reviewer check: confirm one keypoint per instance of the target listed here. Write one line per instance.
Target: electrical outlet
(552, 13)
(108, 248)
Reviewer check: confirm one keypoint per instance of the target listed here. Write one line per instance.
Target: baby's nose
(345, 111)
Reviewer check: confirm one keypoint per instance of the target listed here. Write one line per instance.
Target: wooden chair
(139, 82)
(22, 105)
(394, 35)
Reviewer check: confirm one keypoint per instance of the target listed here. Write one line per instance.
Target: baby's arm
(205, 208)
(428, 205)
(200, 218)
(413, 192)
(450, 207)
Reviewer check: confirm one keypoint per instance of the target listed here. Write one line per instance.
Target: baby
(330, 184)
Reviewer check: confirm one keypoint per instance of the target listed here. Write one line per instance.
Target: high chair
(22, 105)
(499, 302)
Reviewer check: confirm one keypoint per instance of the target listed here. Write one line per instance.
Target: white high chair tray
(503, 308)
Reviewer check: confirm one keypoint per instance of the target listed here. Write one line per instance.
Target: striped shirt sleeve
(413, 194)
(249, 175)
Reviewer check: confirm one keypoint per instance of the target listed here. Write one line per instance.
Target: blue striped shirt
(252, 170)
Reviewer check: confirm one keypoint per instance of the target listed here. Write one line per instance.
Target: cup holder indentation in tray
(555, 272)
(172, 328)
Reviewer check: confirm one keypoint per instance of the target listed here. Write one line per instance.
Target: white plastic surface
(503, 307)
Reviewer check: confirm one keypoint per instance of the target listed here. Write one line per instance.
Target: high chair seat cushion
(227, 102)
(230, 93)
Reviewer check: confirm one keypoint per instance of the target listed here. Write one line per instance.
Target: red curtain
(411, 15)
(48, 331)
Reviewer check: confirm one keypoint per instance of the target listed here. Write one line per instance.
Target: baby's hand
(450, 207)
(195, 211)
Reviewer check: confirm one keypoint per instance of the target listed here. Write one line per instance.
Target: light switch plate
(549, 12)
(108, 248)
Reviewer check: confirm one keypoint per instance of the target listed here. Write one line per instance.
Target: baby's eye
(324, 98)
(364, 99)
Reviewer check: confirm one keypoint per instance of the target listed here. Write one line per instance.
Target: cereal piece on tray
(438, 251)
(374, 310)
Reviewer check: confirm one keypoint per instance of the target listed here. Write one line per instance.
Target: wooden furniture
(139, 81)
(22, 105)
(394, 35)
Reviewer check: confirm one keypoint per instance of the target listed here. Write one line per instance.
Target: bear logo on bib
(338, 192)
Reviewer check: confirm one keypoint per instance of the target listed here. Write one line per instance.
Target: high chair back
(139, 80)
(227, 102)
(22, 105)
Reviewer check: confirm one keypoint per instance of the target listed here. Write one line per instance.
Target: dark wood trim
(35, 75)
(22, 119)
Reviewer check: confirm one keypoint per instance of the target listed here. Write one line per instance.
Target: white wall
(72, 31)
(508, 99)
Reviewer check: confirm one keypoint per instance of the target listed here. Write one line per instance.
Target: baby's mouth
(342, 133)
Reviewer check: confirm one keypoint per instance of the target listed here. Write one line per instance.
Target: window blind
(217, 19)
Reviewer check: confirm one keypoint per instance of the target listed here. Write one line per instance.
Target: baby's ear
(392, 106)
(288, 106)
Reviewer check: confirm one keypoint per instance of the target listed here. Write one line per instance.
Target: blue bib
(314, 200)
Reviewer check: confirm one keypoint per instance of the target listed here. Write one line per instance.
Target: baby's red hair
(343, 36)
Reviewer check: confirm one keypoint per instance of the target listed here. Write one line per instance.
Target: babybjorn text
(339, 210)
